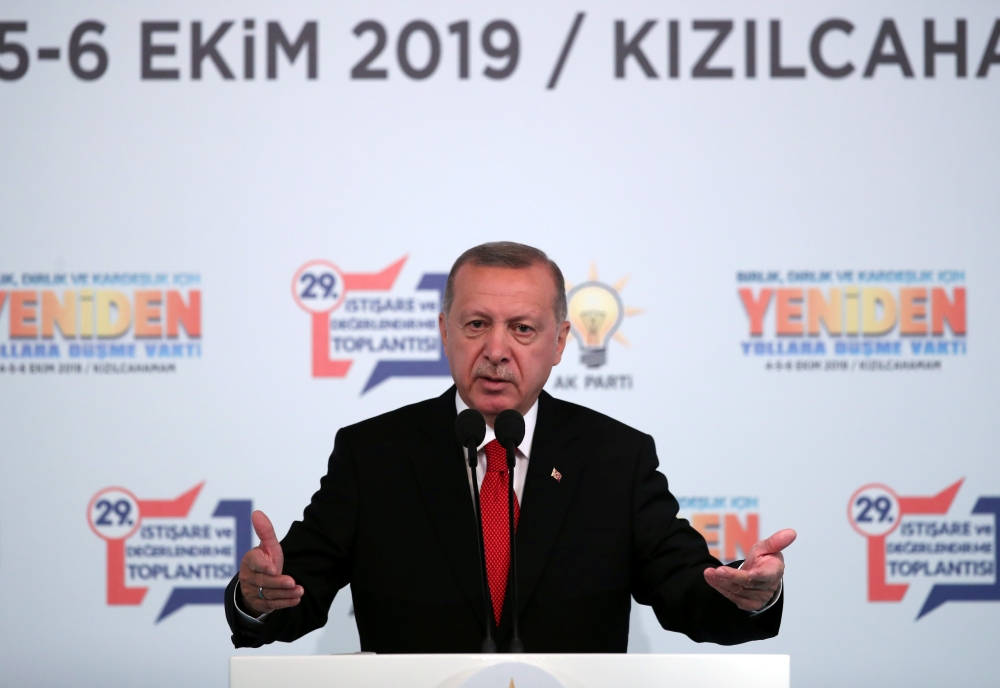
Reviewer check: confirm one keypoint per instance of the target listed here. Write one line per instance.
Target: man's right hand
(263, 587)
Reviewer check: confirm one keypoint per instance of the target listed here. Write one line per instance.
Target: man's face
(501, 336)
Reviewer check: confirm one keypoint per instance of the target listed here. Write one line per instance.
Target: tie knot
(496, 456)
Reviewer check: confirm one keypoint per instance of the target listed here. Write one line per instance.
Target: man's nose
(497, 347)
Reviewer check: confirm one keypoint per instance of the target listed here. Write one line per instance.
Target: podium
(511, 671)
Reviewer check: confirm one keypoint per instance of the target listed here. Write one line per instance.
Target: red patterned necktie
(496, 526)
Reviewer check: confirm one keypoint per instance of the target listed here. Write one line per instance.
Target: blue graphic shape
(969, 593)
(180, 597)
(436, 368)
(240, 510)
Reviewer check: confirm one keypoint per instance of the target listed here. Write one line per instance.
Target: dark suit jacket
(394, 518)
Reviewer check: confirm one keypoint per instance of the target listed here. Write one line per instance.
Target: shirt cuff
(774, 598)
(245, 618)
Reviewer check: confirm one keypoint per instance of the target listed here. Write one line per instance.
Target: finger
(723, 585)
(771, 545)
(265, 532)
(749, 580)
(262, 562)
(263, 606)
(749, 600)
(728, 587)
(271, 594)
(777, 542)
(262, 580)
(258, 560)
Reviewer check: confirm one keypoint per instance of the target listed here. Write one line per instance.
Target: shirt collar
(530, 419)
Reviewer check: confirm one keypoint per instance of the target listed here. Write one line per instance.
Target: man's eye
(523, 329)
(477, 324)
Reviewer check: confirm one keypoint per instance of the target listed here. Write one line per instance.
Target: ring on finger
(260, 593)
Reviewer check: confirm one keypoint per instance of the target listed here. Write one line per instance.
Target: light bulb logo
(595, 313)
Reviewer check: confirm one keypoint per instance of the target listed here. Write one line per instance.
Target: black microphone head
(470, 426)
(509, 428)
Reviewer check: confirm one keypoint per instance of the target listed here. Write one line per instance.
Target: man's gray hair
(508, 254)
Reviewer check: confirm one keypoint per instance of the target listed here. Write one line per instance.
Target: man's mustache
(494, 371)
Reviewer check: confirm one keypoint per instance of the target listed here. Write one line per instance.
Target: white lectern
(507, 671)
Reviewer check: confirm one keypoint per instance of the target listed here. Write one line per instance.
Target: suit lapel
(444, 485)
(546, 499)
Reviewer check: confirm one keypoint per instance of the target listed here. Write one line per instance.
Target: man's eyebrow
(476, 315)
(537, 319)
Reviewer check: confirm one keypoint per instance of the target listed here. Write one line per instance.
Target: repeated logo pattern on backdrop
(807, 184)
(596, 312)
(365, 318)
(110, 323)
(729, 524)
(158, 543)
(846, 320)
(922, 539)
(362, 317)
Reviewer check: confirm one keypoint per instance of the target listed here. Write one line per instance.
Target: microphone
(509, 429)
(470, 427)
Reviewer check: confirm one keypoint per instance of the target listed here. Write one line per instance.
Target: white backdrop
(673, 192)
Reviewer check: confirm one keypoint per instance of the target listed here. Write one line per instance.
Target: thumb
(268, 541)
(771, 545)
(779, 541)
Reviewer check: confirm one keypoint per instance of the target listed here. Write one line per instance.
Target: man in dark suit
(394, 515)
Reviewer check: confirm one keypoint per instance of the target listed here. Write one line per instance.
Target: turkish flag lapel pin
(556, 474)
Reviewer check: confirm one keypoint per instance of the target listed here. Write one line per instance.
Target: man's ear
(562, 334)
(443, 328)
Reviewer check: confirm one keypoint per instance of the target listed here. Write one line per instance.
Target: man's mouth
(493, 383)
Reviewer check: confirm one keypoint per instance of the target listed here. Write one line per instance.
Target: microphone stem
(516, 647)
(489, 645)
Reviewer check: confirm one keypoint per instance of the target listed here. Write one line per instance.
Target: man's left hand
(752, 587)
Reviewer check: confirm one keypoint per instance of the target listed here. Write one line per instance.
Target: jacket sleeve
(669, 560)
(319, 553)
